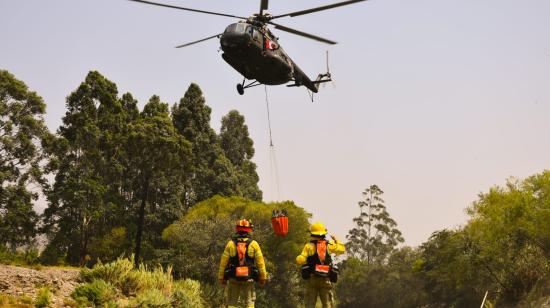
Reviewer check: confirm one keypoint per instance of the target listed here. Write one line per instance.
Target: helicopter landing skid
(242, 86)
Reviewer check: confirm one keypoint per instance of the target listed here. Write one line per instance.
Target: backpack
(320, 263)
(241, 266)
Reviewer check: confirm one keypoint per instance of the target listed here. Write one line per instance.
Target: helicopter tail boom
(314, 85)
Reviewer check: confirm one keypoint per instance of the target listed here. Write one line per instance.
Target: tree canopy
(126, 174)
(22, 136)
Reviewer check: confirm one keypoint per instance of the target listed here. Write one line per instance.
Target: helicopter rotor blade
(195, 42)
(317, 9)
(186, 9)
(304, 34)
(263, 6)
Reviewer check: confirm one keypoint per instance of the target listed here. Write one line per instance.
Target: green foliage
(148, 287)
(96, 292)
(143, 279)
(213, 172)
(159, 159)
(191, 117)
(376, 234)
(198, 239)
(122, 176)
(112, 245)
(43, 298)
(503, 248)
(510, 236)
(22, 301)
(187, 294)
(4, 299)
(77, 203)
(449, 271)
(114, 272)
(152, 298)
(238, 148)
(113, 165)
(122, 274)
(25, 257)
(235, 141)
(25, 299)
(381, 285)
(22, 133)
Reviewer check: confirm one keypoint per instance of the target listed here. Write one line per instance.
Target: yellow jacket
(254, 251)
(333, 246)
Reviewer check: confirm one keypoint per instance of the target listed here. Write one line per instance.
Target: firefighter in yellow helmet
(241, 264)
(317, 267)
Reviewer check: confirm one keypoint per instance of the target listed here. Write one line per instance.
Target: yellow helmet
(317, 228)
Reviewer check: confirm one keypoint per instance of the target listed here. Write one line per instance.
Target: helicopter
(254, 51)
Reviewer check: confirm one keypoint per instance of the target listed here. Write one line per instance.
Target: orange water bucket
(279, 222)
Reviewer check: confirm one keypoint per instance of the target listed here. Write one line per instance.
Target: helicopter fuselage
(251, 49)
(255, 53)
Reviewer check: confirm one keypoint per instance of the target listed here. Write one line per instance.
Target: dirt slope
(19, 281)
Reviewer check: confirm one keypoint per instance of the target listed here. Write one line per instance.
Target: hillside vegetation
(144, 200)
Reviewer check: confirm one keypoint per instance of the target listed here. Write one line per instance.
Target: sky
(435, 101)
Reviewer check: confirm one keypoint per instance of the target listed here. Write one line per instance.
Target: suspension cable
(268, 117)
(273, 168)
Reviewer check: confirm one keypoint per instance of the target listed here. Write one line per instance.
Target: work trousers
(318, 286)
(240, 289)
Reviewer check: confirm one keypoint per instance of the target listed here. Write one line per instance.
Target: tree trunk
(141, 218)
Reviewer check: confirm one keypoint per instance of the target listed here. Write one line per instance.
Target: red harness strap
(241, 250)
(322, 250)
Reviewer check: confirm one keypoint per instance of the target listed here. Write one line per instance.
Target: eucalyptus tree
(77, 207)
(212, 173)
(159, 162)
(375, 235)
(239, 149)
(22, 134)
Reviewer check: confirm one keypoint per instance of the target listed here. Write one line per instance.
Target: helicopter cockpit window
(236, 28)
(254, 33)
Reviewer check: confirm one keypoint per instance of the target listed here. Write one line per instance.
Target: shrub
(114, 272)
(4, 299)
(96, 292)
(152, 298)
(187, 294)
(44, 297)
(143, 279)
(108, 284)
(25, 299)
(19, 258)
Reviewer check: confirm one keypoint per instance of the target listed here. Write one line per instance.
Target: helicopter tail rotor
(329, 75)
(323, 78)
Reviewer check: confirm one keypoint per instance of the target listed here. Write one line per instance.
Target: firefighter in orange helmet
(241, 264)
(317, 267)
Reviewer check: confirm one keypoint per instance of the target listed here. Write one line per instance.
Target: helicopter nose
(233, 40)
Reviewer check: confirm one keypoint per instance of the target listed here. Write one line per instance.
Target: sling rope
(273, 168)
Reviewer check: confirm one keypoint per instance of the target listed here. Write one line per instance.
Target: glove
(262, 282)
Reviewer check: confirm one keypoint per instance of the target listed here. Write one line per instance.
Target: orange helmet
(244, 225)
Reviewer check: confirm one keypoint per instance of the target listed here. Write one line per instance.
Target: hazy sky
(434, 100)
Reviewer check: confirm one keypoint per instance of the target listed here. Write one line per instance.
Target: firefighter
(242, 264)
(317, 267)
